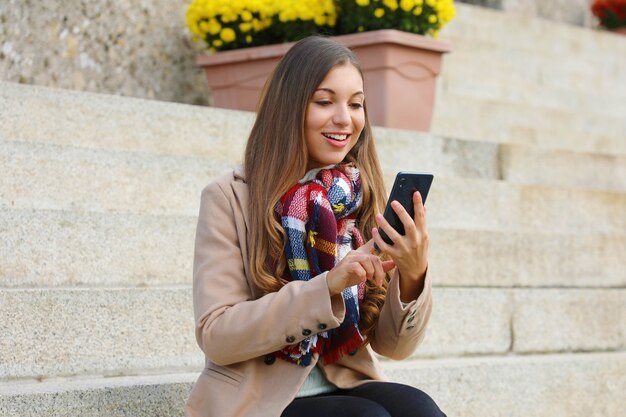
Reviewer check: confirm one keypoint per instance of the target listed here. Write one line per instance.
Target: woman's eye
(323, 102)
(356, 105)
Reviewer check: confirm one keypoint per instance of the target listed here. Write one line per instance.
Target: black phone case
(405, 184)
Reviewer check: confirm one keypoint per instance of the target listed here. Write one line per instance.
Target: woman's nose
(341, 116)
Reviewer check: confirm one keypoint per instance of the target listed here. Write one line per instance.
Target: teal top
(315, 384)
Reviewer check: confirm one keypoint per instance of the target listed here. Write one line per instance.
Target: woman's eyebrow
(331, 91)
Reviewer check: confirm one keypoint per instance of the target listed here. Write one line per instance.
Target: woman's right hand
(356, 267)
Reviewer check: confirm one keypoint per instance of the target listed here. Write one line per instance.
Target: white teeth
(336, 137)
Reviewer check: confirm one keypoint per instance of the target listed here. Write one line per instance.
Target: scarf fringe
(346, 346)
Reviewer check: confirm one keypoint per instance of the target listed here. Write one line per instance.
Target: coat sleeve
(231, 326)
(401, 328)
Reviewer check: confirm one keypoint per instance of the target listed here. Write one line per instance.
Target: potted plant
(611, 13)
(395, 41)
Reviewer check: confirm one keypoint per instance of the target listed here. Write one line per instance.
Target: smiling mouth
(340, 137)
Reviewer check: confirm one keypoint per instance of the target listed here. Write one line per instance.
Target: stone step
(514, 83)
(496, 259)
(96, 331)
(516, 163)
(59, 248)
(569, 385)
(63, 177)
(472, 321)
(541, 36)
(120, 123)
(498, 121)
(50, 115)
(72, 178)
(598, 76)
(469, 387)
(499, 206)
(136, 396)
(523, 164)
(124, 331)
(46, 178)
(52, 247)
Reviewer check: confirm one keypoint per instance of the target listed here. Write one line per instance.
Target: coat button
(269, 359)
(306, 332)
(322, 326)
(290, 339)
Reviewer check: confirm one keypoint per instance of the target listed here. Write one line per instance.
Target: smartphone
(405, 184)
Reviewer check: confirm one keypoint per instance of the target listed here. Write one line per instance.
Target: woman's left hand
(410, 252)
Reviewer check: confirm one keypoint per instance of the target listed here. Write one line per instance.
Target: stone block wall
(138, 48)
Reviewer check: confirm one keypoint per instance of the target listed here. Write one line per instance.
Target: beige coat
(237, 329)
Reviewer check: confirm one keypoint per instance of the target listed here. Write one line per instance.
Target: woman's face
(334, 116)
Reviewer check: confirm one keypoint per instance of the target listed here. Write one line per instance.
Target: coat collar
(239, 174)
(240, 190)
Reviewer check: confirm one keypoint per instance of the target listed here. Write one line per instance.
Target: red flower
(612, 13)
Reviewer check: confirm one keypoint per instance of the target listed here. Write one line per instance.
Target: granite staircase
(99, 196)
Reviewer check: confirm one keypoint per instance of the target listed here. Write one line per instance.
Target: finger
(367, 247)
(390, 231)
(355, 270)
(388, 265)
(382, 245)
(364, 265)
(368, 266)
(405, 218)
(379, 274)
(420, 210)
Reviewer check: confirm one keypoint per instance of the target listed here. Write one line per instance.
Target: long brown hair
(276, 158)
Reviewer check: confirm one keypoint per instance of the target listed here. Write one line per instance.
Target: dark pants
(374, 399)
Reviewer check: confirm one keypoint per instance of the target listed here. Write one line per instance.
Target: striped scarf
(318, 216)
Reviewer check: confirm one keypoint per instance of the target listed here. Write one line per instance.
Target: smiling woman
(290, 301)
(335, 116)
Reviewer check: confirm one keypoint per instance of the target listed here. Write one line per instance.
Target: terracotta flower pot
(400, 71)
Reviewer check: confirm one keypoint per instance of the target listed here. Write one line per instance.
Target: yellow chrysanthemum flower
(407, 5)
(229, 24)
(257, 25)
(391, 4)
(204, 26)
(214, 27)
(228, 35)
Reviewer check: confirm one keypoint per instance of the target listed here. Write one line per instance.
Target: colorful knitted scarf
(320, 224)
